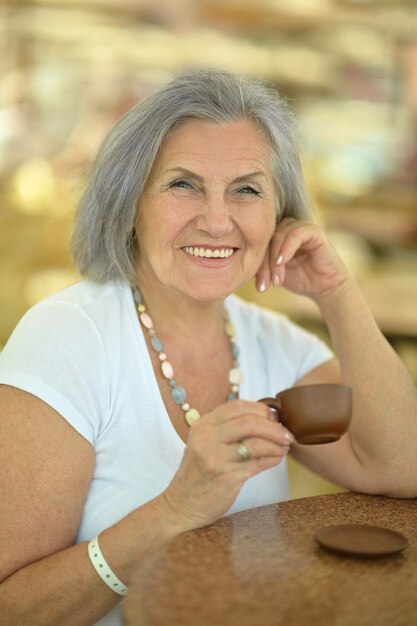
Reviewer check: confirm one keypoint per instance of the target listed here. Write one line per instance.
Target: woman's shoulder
(85, 299)
(87, 292)
(85, 308)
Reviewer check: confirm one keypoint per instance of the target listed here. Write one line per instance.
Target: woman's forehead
(238, 144)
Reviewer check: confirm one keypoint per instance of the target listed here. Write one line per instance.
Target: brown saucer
(361, 540)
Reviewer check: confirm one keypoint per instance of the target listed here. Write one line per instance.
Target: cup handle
(273, 403)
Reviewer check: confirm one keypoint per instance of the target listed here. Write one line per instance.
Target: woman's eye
(181, 184)
(247, 189)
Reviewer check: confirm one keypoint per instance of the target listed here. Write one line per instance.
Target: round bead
(167, 369)
(235, 376)
(146, 320)
(156, 344)
(185, 406)
(231, 396)
(137, 296)
(162, 356)
(192, 416)
(179, 395)
(230, 329)
(141, 308)
(235, 388)
(235, 351)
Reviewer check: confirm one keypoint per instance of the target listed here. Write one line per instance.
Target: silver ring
(243, 452)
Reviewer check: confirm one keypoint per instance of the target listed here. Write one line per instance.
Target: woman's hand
(212, 471)
(300, 258)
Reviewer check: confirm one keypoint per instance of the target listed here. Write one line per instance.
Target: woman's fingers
(309, 236)
(303, 260)
(242, 419)
(249, 426)
(263, 275)
(239, 430)
(255, 448)
(251, 467)
(225, 448)
(234, 409)
(271, 271)
(291, 236)
(283, 228)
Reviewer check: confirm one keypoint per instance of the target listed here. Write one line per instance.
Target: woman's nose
(215, 217)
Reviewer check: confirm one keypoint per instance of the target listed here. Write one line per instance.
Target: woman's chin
(210, 293)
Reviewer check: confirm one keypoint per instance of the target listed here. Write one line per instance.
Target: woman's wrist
(178, 520)
(332, 300)
(142, 532)
(175, 522)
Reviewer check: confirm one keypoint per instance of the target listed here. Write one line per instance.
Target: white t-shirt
(82, 351)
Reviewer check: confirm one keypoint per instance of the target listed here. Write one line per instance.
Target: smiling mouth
(209, 253)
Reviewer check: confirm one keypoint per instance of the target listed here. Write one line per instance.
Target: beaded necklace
(178, 393)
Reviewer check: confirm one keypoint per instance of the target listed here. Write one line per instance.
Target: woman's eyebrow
(243, 177)
(254, 174)
(185, 172)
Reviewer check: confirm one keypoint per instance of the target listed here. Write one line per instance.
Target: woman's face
(207, 213)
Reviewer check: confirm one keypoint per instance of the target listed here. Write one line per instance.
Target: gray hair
(103, 240)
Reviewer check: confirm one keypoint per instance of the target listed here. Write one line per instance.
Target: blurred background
(70, 68)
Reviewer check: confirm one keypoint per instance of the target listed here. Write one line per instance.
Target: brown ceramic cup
(314, 413)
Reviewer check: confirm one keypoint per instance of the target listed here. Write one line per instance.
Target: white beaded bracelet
(103, 570)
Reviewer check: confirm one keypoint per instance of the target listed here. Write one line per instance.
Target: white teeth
(223, 253)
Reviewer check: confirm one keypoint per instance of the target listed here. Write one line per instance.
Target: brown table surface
(262, 567)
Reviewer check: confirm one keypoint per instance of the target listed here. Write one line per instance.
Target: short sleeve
(301, 350)
(56, 354)
(276, 352)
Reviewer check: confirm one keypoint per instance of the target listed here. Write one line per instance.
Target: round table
(262, 567)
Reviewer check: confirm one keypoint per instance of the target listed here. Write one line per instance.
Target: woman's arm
(46, 470)
(379, 452)
(46, 580)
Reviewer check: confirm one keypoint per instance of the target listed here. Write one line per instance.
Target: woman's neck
(175, 313)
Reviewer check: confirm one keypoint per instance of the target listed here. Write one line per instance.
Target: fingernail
(279, 260)
(273, 415)
(289, 437)
(262, 286)
(275, 279)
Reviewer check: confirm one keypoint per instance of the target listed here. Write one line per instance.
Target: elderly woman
(128, 403)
